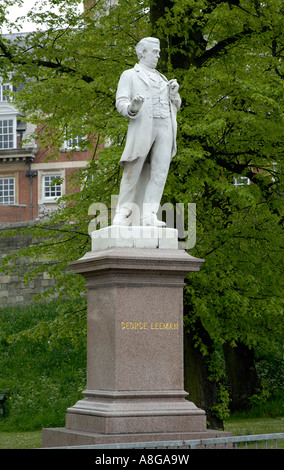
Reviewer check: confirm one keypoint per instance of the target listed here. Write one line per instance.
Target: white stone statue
(150, 102)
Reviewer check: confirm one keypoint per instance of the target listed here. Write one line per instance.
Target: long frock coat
(138, 142)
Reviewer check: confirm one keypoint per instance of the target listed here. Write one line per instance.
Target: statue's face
(151, 56)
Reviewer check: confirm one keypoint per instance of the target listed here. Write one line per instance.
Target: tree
(226, 56)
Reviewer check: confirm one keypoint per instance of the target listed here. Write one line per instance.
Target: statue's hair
(143, 45)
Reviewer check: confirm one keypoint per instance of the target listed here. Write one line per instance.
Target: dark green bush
(42, 362)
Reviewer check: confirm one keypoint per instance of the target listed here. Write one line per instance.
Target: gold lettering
(135, 325)
(130, 325)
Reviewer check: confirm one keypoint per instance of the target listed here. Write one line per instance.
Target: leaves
(227, 57)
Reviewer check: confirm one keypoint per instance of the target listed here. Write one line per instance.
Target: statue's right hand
(136, 103)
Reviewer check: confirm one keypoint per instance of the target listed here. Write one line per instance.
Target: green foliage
(68, 91)
(260, 397)
(266, 407)
(227, 57)
(231, 126)
(42, 365)
(221, 408)
(270, 368)
(45, 372)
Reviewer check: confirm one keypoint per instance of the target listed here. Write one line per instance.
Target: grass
(20, 440)
(238, 427)
(252, 426)
(249, 426)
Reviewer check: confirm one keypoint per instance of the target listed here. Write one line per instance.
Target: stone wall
(13, 291)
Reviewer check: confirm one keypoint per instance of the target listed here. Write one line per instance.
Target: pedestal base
(63, 437)
(135, 412)
(135, 348)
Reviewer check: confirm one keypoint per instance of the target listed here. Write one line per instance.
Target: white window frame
(5, 86)
(6, 188)
(11, 143)
(72, 143)
(51, 176)
(241, 181)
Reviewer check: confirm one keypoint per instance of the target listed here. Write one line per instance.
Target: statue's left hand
(174, 86)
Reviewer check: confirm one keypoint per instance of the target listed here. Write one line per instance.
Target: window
(241, 181)
(7, 134)
(4, 92)
(73, 142)
(7, 191)
(52, 188)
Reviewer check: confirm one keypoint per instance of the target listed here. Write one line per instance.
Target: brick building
(27, 189)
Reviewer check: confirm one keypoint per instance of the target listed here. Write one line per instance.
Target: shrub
(42, 363)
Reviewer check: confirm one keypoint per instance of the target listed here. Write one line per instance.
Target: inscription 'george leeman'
(134, 325)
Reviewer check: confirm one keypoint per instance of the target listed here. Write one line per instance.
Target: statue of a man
(150, 102)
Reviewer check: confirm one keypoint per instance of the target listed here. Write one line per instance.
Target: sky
(15, 12)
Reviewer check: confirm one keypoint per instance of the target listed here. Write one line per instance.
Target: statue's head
(148, 51)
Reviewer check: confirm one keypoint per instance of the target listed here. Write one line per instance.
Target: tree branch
(6, 53)
(222, 46)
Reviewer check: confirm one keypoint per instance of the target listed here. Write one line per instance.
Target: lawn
(20, 440)
(246, 427)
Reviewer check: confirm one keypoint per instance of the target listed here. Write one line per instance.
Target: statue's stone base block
(134, 351)
(63, 437)
(134, 237)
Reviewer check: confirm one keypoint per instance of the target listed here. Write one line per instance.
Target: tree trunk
(183, 52)
(202, 392)
(242, 375)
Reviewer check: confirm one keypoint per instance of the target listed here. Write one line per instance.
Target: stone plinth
(134, 237)
(134, 350)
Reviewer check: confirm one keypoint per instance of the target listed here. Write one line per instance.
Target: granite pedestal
(134, 346)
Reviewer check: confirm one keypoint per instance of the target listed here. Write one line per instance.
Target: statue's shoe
(152, 220)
